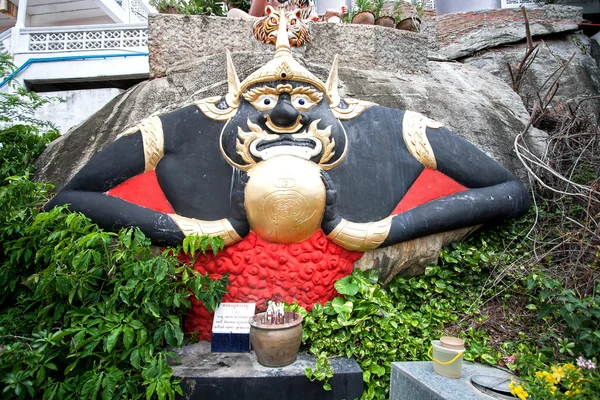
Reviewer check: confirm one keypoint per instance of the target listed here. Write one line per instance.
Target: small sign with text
(233, 317)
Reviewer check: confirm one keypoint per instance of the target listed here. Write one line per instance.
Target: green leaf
(150, 390)
(340, 306)
(135, 359)
(154, 310)
(109, 384)
(142, 336)
(71, 366)
(111, 340)
(128, 336)
(377, 369)
(347, 286)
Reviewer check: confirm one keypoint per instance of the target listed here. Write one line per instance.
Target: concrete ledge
(176, 39)
(238, 376)
(418, 381)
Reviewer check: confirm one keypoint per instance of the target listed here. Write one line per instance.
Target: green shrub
(103, 306)
(378, 325)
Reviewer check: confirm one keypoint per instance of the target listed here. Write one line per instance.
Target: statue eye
(265, 102)
(302, 102)
(273, 21)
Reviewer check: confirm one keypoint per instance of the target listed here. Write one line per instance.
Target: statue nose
(284, 114)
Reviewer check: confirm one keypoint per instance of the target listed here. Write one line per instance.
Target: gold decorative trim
(414, 132)
(355, 108)
(154, 141)
(361, 236)
(153, 138)
(291, 129)
(209, 107)
(221, 227)
(337, 162)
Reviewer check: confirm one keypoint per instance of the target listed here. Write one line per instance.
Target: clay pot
(410, 24)
(388, 22)
(364, 18)
(276, 345)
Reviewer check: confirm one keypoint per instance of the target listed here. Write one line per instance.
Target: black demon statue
(296, 180)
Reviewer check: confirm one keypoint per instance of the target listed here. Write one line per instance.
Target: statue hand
(238, 218)
(331, 218)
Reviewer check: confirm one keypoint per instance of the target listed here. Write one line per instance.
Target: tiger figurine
(265, 28)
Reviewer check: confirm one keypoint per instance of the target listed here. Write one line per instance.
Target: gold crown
(282, 67)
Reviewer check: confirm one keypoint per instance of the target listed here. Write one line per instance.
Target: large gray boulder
(471, 102)
(580, 80)
(543, 21)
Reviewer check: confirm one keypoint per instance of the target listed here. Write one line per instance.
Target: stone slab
(239, 376)
(178, 39)
(418, 381)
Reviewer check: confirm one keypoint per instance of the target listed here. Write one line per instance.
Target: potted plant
(276, 335)
(382, 17)
(413, 23)
(364, 13)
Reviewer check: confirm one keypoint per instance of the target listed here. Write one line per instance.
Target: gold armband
(153, 138)
(221, 227)
(361, 237)
(414, 131)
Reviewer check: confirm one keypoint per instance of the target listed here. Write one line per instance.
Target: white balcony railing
(5, 38)
(82, 38)
(138, 10)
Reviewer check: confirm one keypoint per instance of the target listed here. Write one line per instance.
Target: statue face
(283, 118)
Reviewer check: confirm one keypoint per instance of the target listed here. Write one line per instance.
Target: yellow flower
(569, 367)
(518, 390)
(549, 378)
(569, 393)
(557, 373)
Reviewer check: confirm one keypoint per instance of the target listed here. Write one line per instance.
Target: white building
(82, 51)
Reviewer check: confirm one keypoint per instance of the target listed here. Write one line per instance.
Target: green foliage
(243, 5)
(18, 105)
(378, 325)
(22, 137)
(377, 7)
(103, 304)
(191, 7)
(580, 314)
(397, 11)
(20, 145)
(565, 381)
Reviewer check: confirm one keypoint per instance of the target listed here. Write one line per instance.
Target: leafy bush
(83, 313)
(191, 7)
(96, 308)
(565, 381)
(378, 325)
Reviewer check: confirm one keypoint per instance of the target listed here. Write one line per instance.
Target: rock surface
(409, 258)
(174, 39)
(555, 19)
(580, 80)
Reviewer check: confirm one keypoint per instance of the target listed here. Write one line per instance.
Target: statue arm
(86, 192)
(493, 194)
(127, 157)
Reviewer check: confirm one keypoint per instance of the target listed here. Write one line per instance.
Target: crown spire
(233, 82)
(331, 86)
(282, 47)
